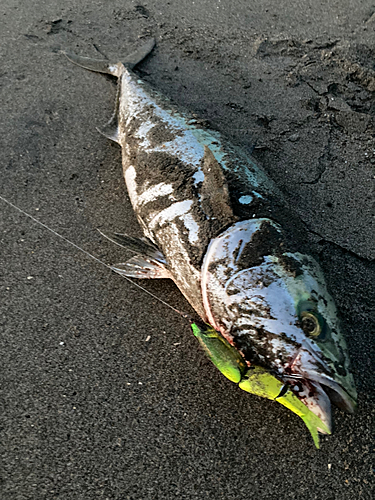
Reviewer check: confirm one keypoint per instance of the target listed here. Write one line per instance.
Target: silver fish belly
(220, 228)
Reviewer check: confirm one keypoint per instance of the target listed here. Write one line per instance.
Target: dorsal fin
(214, 191)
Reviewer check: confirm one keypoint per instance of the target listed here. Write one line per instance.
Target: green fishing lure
(254, 379)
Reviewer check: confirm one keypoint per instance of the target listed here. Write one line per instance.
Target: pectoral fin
(148, 263)
(143, 267)
(141, 246)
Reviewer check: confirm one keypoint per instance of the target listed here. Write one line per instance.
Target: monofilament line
(89, 254)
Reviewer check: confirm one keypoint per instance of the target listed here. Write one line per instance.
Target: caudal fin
(115, 69)
(137, 56)
(111, 129)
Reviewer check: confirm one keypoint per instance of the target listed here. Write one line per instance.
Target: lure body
(219, 227)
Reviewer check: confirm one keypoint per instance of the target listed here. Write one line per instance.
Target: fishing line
(93, 257)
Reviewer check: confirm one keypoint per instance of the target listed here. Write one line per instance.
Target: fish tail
(111, 129)
(117, 69)
(138, 55)
(100, 66)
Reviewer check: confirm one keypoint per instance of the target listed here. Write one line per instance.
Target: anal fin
(111, 130)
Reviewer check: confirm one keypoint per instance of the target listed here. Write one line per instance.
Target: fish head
(274, 306)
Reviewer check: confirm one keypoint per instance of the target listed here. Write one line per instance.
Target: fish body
(175, 175)
(219, 227)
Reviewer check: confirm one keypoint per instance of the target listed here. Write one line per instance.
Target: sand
(106, 393)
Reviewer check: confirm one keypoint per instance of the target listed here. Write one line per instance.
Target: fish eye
(310, 324)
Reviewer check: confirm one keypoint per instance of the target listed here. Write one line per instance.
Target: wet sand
(106, 393)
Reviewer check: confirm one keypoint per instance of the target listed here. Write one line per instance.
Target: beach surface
(106, 394)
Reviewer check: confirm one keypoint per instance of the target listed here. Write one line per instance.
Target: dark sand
(91, 409)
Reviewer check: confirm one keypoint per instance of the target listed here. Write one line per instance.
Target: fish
(216, 224)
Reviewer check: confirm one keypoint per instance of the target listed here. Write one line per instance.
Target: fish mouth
(318, 390)
(318, 393)
(335, 392)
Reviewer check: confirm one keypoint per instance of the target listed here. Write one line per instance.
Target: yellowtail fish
(215, 224)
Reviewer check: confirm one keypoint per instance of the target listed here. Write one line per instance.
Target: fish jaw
(309, 364)
(317, 391)
(333, 390)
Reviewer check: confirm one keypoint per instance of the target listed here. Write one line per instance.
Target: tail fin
(101, 66)
(111, 129)
(95, 64)
(137, 56)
